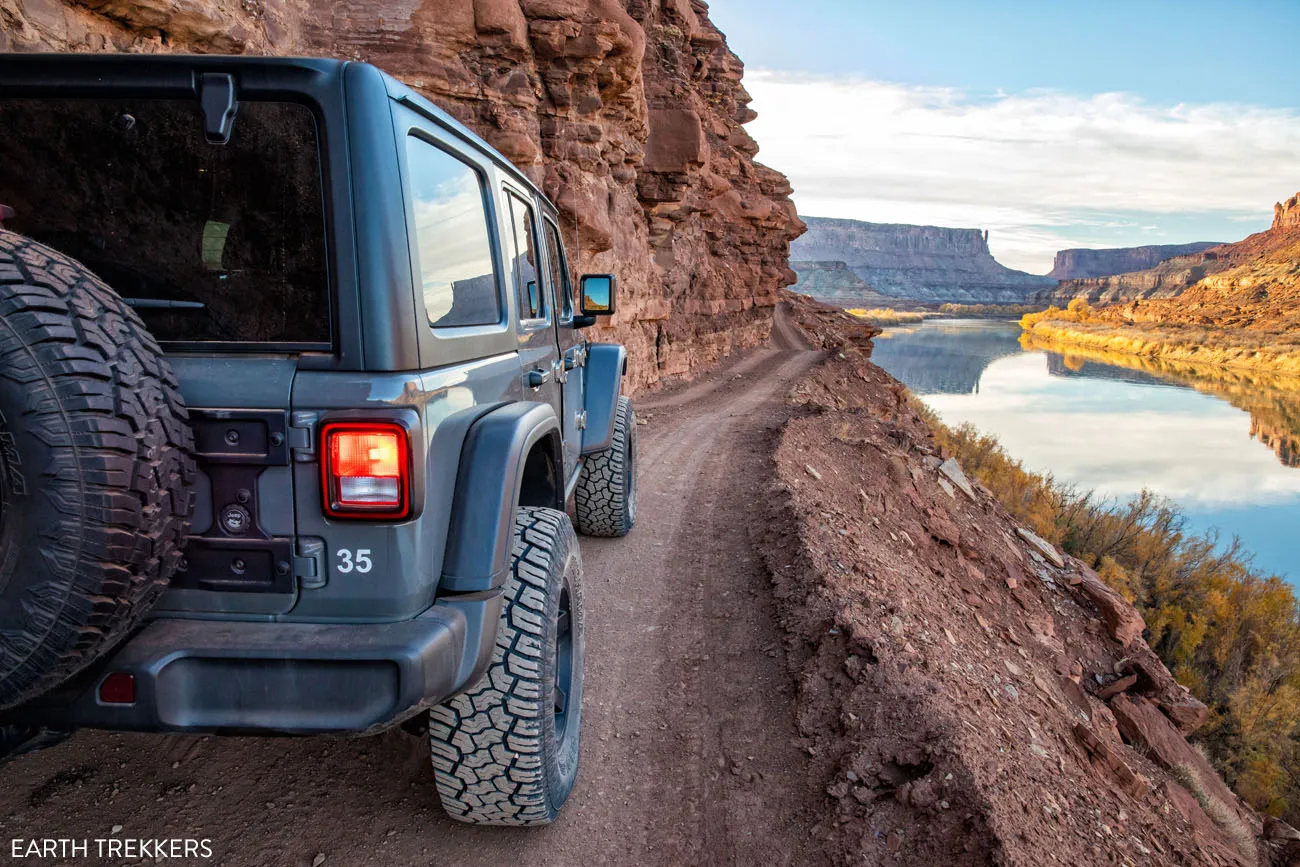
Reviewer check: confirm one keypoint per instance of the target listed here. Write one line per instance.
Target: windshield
(210, 243)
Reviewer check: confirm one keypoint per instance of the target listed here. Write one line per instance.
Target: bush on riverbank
(887, 316)
(1231, 634)
(988, 311)
(1083, 326)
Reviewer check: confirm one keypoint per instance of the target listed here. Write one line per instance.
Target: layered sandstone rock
(1248, 294)
(1083, 263)
(922, 263)
(628, 114)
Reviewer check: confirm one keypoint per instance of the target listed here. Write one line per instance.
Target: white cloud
(1041, 170)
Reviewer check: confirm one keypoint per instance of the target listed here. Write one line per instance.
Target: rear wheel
(506, 751)
(95, 469)
(605, 499)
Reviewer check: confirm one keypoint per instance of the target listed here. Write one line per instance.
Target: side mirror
(597, 294)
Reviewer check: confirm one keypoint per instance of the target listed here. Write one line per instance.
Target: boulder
(1122, 620)
(1145, 727)
(1115, 688)
(676, 142)
(1156, 683)
(953, 471)
(1108, 762)
(1042, 546)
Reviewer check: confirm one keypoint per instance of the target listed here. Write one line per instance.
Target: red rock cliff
(1286, 215)
(628, 114)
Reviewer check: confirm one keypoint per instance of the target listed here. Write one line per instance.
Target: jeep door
(573, 348)
(539, 363)
(432, 274)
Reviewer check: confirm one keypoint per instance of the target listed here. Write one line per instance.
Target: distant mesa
(917, 263)
(1074, 264)
(834, 283)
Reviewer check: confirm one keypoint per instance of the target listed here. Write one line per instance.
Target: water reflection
(945, 357)
(1272, 401)
(1118, 423)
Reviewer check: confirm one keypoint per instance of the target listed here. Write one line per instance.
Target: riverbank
(887, 317)
(1197, 345)
(1226, 630)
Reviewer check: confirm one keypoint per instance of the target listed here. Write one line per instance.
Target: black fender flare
(496, 447)
(606, 364)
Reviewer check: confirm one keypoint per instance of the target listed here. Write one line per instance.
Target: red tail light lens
(118, 688)
(367, 471)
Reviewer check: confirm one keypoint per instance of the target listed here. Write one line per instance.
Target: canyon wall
(1163, 281)
(834, 283)
(1174, 276)
(1073, 264)
(628, 114)
(922, 263)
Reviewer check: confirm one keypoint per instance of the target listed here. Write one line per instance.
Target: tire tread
(487, 745)
(601, 497)
(119, 480)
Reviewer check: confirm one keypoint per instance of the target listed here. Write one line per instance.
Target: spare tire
(96, 469)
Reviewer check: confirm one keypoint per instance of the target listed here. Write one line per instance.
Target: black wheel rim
(563, 667)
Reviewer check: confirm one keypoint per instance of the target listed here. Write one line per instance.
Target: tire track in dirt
(690, 752)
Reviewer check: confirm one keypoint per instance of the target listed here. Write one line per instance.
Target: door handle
(538, 378)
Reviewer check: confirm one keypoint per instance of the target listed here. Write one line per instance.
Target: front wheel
(605, 499)
(506, 751)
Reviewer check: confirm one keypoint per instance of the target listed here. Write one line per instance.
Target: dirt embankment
(969, 696)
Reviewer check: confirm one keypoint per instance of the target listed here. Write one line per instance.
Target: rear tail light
(367, 470)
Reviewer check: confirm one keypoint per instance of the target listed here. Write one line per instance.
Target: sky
(1052, 125)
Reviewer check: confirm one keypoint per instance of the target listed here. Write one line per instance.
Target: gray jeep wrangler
(293, 400)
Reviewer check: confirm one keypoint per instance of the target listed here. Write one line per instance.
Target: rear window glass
(210, 243)
(559, 270)
(523, 260)
(453, 250)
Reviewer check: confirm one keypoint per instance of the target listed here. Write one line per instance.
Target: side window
(453, 248)
(559, 270)
(523, 260)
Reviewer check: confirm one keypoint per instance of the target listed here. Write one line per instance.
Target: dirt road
(690, 753)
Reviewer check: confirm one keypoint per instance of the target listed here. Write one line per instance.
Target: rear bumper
(279, 678)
